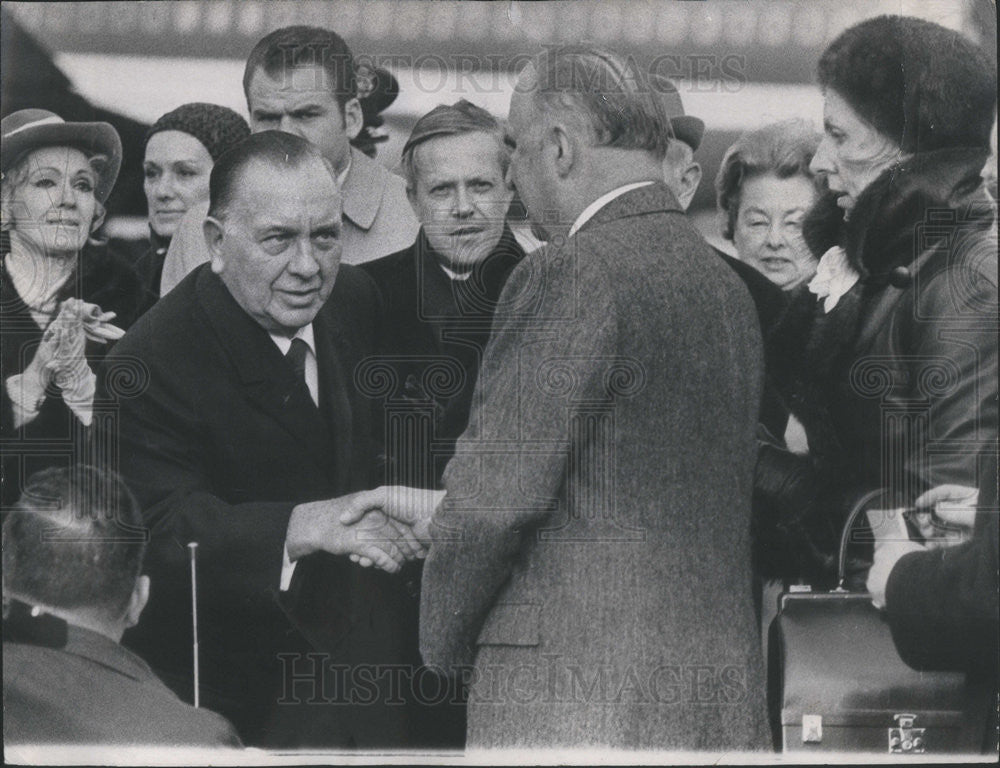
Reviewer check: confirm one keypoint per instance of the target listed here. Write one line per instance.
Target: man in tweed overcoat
(591, 559)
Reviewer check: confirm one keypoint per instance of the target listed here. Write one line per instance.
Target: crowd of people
(432, 479)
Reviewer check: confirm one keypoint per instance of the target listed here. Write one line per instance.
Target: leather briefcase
(836, 682)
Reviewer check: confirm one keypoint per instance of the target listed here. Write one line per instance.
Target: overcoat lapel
(335, 382)
(268, 380)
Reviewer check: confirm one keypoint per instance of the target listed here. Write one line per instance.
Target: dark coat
(435, 331)
(896, 386)
(219, 441)
(592, 557)
(55, 436)
(92, 691)
(149, 268)
(943, 605)
(770, 302)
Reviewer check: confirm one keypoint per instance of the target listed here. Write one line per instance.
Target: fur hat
(217, 128)
(922, 85)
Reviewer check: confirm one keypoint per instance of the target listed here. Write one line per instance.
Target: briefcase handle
(856, 510)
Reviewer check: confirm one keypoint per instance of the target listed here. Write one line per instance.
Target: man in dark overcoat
(239, 429)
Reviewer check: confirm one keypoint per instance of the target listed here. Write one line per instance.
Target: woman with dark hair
(181, 148)
(764, 189)
(53, 296)
(889, 360)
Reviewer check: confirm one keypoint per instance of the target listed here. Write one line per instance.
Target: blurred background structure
(737, 64)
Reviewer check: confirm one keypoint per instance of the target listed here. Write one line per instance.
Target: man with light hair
(591, 556)
(440, 293)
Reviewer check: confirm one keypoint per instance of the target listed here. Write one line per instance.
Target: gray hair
(609, 95)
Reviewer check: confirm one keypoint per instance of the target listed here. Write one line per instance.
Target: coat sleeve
(942, 605)
(512, 463)
(165, 461)
(952, 353)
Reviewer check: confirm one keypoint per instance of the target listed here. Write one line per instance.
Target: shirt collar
(305, 333)
(602, 201)
(362, 189)
(453, 275)
(342, 176)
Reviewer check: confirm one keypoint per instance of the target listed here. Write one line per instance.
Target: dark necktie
(296, 355)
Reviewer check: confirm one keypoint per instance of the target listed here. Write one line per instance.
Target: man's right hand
(411, 507)
(370, 537)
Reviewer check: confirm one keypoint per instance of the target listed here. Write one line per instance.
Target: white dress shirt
(312, 371)
(602, 201)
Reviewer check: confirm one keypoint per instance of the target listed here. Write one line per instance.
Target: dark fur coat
(922, 236)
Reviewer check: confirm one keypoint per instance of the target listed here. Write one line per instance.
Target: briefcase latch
(812, 729)
(904, 737)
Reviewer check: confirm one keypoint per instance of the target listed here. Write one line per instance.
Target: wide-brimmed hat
(687, 128)
(30, 129)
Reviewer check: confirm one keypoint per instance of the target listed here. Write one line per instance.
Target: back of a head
(607, 93)
(75, 541)
(783, 149)
(922, 85)
(456, 119)
(276, 149)
(288, 48)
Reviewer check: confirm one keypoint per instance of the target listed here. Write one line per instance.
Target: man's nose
(463, 204)
(289, 124)
(303, 262)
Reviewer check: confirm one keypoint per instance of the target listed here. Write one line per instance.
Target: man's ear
(354, 118)
(563, 146)
(688, 183)
(214, 235)
(137, 601)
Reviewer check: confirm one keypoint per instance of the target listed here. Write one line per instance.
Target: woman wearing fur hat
(889, 359)
(181, 148)
(53, 323)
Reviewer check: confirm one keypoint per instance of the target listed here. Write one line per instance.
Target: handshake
(384, 527)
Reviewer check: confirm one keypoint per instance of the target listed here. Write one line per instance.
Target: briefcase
(837, 684)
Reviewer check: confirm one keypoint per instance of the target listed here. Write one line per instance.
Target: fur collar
(879, 235)
(811, 350)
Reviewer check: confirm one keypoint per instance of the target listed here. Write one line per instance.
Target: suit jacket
(436, 329)
(592, 557)
(93, 691)
(378, 219)
(219, 441)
